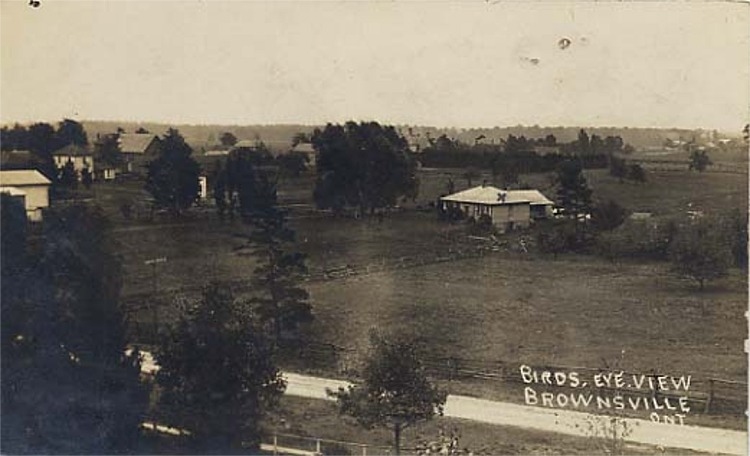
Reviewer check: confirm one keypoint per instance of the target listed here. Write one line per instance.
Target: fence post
(710, 397)
(317, 446)
(364, 450)
(275, 445)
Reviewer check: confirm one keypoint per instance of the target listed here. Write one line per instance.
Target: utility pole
(155, 294)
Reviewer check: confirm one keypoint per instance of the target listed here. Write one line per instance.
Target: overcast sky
(470, 63)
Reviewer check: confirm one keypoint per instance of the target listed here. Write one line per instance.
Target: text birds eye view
(366, 228)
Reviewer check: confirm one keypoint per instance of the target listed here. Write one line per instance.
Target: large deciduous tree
(394, 391)
(172, 177)
(700, 252)
(70, 132)
(41, 143)
(362, 165)
(217, 374)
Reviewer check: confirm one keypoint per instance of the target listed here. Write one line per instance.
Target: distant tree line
(42, 139)
(518, 154)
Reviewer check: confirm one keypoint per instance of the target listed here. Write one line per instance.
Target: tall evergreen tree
(68, 176)
(280, 302)
(574, 195)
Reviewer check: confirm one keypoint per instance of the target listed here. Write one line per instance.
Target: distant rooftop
(304, 147)
(135, 143)
(73, 150)
(21, 177)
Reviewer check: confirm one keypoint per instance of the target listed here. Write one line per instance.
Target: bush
(451, 214)
(557, 236)
(607, 216)
(482, 226)
(637, 240)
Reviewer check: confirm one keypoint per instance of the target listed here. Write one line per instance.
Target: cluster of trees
(218, 373)
(364, 166)
(245, 184)
(42, 138)
(700, 249)
(68, 385)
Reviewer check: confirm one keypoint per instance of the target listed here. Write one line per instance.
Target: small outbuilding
(508, 209)
(28, 185)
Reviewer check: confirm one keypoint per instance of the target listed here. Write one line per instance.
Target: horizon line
(395, 124)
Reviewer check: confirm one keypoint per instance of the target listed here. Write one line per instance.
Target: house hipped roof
(135, 143)
(73, 150)
(21, 177)
(487, 194)
(306, 148)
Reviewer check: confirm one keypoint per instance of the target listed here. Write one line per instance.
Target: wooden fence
(708, 394)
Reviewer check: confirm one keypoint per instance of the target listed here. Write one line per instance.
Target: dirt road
(562, 421)
(712, 440)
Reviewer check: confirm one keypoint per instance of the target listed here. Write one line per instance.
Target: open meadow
(410, 274)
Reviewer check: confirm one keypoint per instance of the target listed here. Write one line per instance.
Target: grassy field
(503, 309)
(576, 311)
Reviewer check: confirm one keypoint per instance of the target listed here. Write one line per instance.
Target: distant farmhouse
(81, 157)
(306, 149)
(138, 149)
(508, 209)
(29, 186)
(546, 150)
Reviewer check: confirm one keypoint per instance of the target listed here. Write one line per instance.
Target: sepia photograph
(340, 227)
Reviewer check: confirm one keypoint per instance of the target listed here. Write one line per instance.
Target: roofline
(493, 203)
